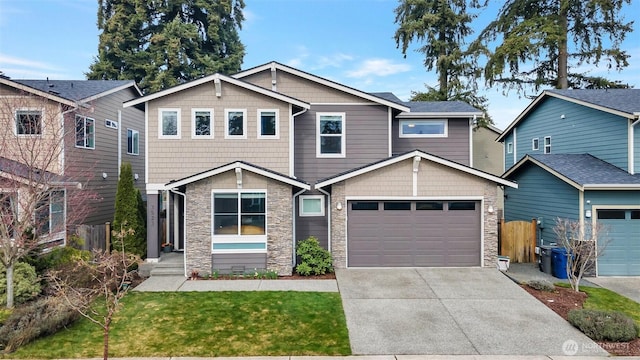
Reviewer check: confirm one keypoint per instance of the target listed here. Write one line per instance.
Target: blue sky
(348, 41)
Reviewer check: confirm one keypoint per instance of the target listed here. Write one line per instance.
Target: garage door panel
(622, 250)
(413, 237)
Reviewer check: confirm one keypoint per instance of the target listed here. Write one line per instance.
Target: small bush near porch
(209, 324)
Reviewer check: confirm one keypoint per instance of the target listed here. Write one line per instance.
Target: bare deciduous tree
(584, 243)
(109, 282)
(40, 195)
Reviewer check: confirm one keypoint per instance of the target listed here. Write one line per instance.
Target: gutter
(184, 232)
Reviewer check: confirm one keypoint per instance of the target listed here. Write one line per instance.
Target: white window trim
(226, 124)
(547, 147)
(309, 197)
(225, 239)
(60, 234)
(179, 121)
(110, 124)
(85, 118)
(193, 123)
(133, 132)
(15, 122)
(343, 136)
(509, 148)
(443, 135)
(535, 144)
(259, 117)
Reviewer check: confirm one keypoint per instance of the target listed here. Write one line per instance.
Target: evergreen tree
(127, 215)
(442, 28)
(167, 42)
(534, 38)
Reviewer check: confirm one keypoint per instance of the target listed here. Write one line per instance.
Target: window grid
(547, 145)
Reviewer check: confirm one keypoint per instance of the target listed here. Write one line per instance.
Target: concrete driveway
(451, 311)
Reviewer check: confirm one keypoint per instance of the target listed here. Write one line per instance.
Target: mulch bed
(562, 300)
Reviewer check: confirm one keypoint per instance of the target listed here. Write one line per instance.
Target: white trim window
(423, 128)
(235, 123)
(547, 144)
(311, 205)
(510, 148)
(330, 138)
(28, 122)
(268, 124)
(535, 144)
(50, 214)
(239, 220)
(85, 132)
(169, 123)
(202, 123)
(133, 142)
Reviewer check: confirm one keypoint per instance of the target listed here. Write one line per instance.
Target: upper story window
(423, 128)
(535, 144)
(268, 124)
(111, 124)
(169, 123)
(547, 144)
(330, 135)
(85, 132)
(235, 124)
(28, 122)
(202, 123)
(133, 142)
(509, 148)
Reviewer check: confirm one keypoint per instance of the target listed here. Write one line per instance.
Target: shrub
(314, 259)
(541, 284)
(604, 325)
(42, 317)
(26, 284)
(129, 215)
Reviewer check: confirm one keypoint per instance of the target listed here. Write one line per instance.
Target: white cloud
(335, 60)
(24, 68)
(378, 67)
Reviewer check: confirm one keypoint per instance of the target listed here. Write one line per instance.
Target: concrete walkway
(384, 357)
(180, 283)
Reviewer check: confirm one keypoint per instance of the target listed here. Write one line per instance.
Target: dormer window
(423, 128)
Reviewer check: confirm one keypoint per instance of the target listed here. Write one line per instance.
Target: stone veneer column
(198, 228)
(490, 225)
(338, 226)
(279, 228)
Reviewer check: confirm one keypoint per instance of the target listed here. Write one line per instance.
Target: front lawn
(605, 299)
(208, 324)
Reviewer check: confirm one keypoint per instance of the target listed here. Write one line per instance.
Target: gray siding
(366, 130)
(582, 130)
(238, 263)
(454, 147)
(91, 163)
(313, 225)
(540, 195)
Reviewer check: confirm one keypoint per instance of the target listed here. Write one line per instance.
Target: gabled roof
(78, 90)
(620, 102)
(239, 165)
(582, 171)
(22, 173)
(332, 84)
(215, 78)
(408, 155)
(447, 109)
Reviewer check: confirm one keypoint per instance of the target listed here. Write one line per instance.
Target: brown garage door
(413, 233)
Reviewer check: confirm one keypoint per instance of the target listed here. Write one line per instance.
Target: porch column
(153, 241)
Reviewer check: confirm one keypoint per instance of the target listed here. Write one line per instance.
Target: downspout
(184, 232)
(328, 219)
(472, 123)
(293, 217)
(632, 145)
(292, 138)
(119, 141)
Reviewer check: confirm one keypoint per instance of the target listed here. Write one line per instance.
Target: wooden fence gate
(518, 240)
(95, 236)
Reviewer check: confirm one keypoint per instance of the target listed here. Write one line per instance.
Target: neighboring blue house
(576, 154)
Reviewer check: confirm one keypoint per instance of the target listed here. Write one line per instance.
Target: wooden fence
(95, 236)
(518, 240)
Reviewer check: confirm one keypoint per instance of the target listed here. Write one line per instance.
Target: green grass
(208, 324)
(605, 299)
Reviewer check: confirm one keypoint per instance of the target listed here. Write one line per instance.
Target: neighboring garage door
(413, 233)
(621, 255)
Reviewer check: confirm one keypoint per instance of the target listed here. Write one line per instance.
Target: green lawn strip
(605, 299)
(208, 324)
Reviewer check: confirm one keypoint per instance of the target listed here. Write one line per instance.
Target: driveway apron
(466, 311)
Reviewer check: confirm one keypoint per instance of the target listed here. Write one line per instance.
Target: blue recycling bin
(559, 257)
